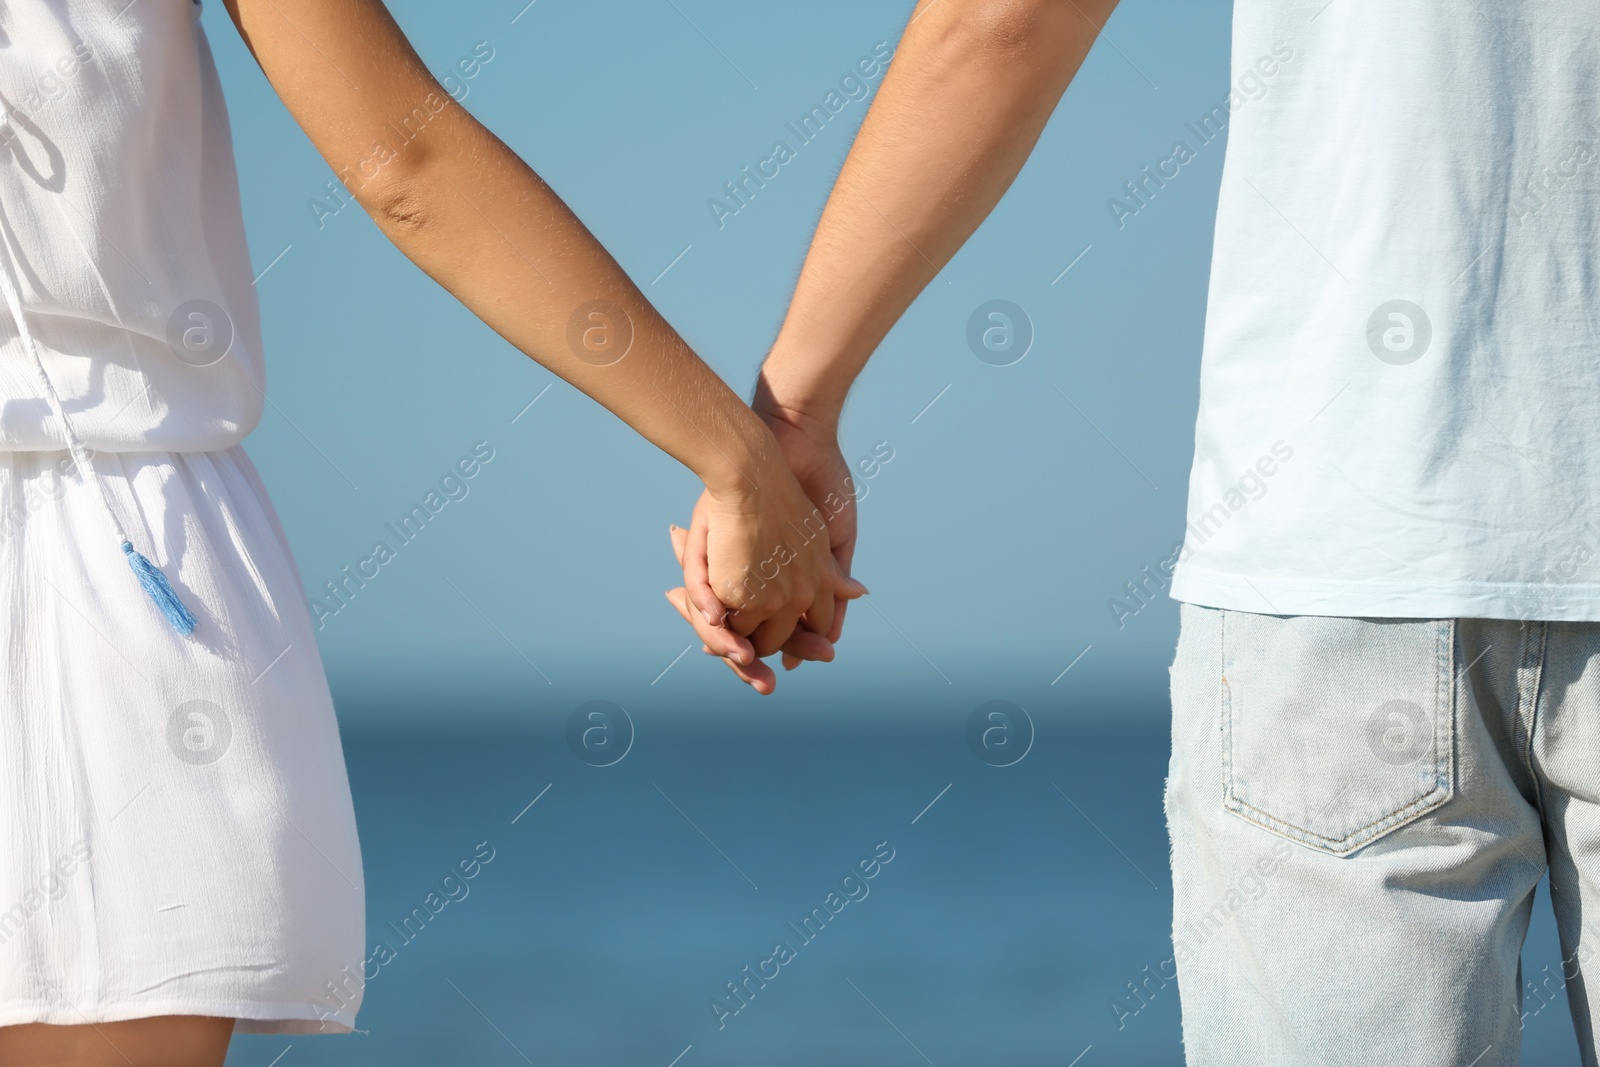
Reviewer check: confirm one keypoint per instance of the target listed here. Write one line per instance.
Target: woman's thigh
(163, 1041)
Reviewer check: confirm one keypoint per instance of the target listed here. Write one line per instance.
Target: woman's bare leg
(163, 1041)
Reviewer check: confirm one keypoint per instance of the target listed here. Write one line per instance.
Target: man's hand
(811, 448)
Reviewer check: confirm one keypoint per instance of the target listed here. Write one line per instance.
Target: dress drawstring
(150, 577)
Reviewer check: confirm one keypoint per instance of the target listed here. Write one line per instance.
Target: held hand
(762, 551)
(814, 456)
(735, 651)
(767, 557)
(812, 452)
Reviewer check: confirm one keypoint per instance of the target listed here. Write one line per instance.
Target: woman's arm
(476, 219)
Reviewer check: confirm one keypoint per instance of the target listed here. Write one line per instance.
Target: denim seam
(1531, 699)
(1357, 838)
(1225, 704)
(1443, 766)
(1444, 747)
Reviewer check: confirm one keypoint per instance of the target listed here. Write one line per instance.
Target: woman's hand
(760, 550)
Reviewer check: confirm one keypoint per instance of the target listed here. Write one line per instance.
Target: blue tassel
(155, 583)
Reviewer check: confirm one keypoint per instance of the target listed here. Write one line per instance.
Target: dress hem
(248, 1018)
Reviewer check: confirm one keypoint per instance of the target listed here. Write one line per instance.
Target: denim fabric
(1360, 811)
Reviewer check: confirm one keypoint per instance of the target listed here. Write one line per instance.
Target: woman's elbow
(1011, 29)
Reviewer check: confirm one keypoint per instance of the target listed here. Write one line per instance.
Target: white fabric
(119, 199)
(1445, 155)
(218, 871)
(176, 829)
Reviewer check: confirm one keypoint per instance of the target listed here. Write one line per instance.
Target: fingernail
(710, 618)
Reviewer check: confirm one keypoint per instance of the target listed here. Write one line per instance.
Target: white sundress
(176, 832)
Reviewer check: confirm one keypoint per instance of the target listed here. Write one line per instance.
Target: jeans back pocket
(1336, 731)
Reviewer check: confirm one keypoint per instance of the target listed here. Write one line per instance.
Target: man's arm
(969, 91)
(475, 218)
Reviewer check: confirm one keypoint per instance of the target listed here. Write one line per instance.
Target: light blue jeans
(1360, 810)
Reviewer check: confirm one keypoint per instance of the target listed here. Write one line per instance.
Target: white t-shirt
(123, 237)
(1400, 388)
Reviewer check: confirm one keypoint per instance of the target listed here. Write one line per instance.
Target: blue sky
(1015, 507)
